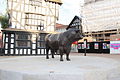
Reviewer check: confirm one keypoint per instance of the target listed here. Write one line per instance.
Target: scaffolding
(101, 19)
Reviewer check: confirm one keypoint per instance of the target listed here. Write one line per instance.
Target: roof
(57, 1)
(61, 26)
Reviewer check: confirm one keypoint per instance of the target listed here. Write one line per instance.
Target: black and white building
(30, 21)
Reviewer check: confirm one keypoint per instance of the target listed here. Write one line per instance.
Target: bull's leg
(47, 51)
(67, 53)
(52, 52)
(61, 54)
(67, 57)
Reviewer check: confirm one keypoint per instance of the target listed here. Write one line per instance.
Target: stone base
(39, 68)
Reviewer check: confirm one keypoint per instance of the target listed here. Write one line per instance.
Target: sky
(67, 11)
(3, 6)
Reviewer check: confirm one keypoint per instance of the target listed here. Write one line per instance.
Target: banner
(114, 47)
(96, 46)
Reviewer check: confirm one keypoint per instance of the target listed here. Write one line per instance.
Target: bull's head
(75, 34)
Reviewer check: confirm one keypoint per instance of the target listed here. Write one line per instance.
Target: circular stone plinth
(39, 68)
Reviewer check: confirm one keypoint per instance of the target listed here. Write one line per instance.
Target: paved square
(79, 68)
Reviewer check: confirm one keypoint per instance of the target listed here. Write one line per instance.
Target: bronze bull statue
(62, 42)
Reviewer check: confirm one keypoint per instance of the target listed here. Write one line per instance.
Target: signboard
(79, 46)
(96, 46)
(114, 47)
(88, 46)
(82, 46)
(105, 46)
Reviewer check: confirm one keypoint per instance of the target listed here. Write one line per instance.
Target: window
(23, 40)
(22, 37)
(41, 40)
(41, 44)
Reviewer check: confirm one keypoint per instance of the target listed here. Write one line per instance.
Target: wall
(101, 15)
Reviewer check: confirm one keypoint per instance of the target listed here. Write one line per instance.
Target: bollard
(85, 46)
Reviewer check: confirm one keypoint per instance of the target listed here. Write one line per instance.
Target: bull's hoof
(47, 57)
(68, 59)
(53, 57)
(61, 59)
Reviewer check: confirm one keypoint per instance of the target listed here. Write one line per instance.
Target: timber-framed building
(30, 21)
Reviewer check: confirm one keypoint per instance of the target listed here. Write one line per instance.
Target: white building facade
(99, 15)
(34, 14)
